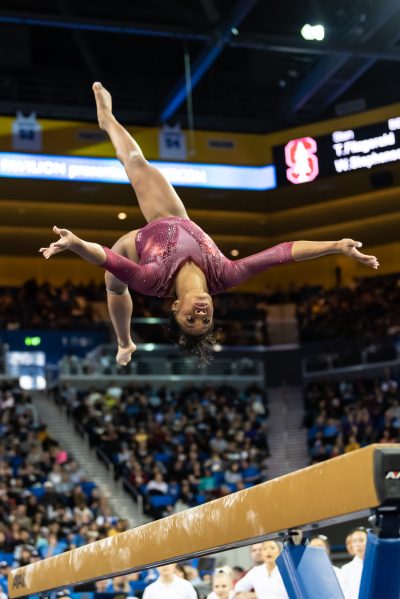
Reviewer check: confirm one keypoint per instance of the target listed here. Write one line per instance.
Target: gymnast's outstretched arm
(239, 271)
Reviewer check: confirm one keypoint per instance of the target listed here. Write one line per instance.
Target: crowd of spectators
(350, 414)
(177, 448)
(34, 305)
(47, 505)
(367, 310)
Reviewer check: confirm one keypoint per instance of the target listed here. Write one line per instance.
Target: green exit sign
(33, 341)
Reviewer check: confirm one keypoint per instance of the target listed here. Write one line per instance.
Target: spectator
(222, 586)
(157, 485)
(256, 554)
(352, 572)
(169, 586)
(265, 580)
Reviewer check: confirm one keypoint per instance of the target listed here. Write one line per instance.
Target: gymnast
(171, 256)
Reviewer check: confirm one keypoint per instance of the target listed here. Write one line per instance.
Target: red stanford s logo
(301, 158)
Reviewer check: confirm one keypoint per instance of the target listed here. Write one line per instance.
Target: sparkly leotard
(164, 245)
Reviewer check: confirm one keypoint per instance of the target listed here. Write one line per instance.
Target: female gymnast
(171, 256)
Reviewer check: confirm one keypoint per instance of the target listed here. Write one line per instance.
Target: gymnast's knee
(133, 160)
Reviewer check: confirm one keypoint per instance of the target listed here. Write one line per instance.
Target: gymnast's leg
(156, 197)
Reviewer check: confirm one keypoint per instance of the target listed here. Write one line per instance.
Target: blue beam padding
(307, 573)
(381, 573)
(206, 58)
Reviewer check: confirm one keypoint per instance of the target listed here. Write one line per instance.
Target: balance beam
(334, 491)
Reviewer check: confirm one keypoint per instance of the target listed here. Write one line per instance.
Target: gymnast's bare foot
(125, 352)
(103, 104)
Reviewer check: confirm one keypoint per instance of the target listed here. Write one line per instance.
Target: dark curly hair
(200, 346)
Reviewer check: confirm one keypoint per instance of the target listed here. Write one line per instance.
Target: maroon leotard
(164, 245)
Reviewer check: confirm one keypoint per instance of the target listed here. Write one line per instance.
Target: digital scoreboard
(305, 159)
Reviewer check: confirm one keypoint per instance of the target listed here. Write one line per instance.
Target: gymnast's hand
(66, 241)
(349, 247)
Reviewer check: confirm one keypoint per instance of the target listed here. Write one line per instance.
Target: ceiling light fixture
(122, 215)
(313, 32)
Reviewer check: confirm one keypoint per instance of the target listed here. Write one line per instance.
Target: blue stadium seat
(231, 486)
(219, 478)
(161, 500)
(162, 457)
(250, 472)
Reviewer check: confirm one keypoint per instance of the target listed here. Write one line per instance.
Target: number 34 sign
(301, 159)
(26, 133)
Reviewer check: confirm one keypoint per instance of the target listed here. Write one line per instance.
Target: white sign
(110, 170)
(26, 133)
(172, 143)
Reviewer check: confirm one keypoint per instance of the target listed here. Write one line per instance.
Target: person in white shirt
(222, 586)
(352, 572)
(323, 542)
(157, 484)
(169, 586)
(266, 579)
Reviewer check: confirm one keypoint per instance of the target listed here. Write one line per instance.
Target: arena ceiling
(252, 70)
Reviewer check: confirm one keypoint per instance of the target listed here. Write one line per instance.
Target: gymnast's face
(194, 312)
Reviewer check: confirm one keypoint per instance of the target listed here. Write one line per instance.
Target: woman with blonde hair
(222, 585)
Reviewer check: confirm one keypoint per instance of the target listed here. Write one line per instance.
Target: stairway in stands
(62, 429)
(286, 437)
